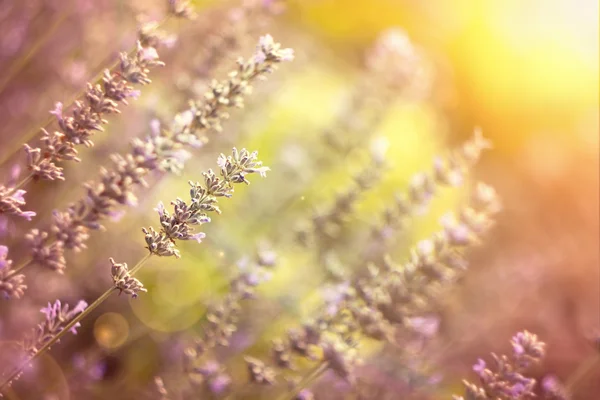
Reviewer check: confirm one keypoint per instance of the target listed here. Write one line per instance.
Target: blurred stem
(32, 132)
(58, 336)
(19, 268)
(24, 181)
(14, 147)
(68, 327)
(10, 394)
(581, 372)
(306, 382)
(140, 264)
(22, 61)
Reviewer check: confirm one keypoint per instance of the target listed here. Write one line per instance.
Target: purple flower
(198, 237)
(116, 215)
(479, 367)
(28, 215)
(18, 195)
(425, 326)
(3, 257)
(149, 54)
(80, 307)
(219, 384)
(160, 208)
(51, 310)
(155, 127)
(58, 110)
(134, 94)
(262, 171)
(222, 161)
(15, 172)
(58, 315)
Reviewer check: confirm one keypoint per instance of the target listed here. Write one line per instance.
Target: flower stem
(21, 62)
(58, 336)
(67, 327)
(14, 147)
(19, 268)
(581, 371)
(307, 381)
(140, 264)
(24, 181)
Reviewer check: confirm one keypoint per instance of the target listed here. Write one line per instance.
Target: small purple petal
(80, 307)
(15, 172)
(198, 237)
(18, 195)
(116, 215)
(73, 329)
(58, 109)
(3, 251)
(28, 215)
(134, 94)
(160, 208)
(155, 127)
(479, 367)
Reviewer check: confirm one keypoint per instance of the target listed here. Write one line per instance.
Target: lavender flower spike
(123, 280)
(57, 317)
(508, 382)
(11, 201)
(204, 199)
(11, 286)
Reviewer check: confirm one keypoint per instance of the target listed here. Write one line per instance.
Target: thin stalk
(58, 336)
(19, 268)
(68, 327)
(581, 372)
(24, 181)
(10, 394)
(33, 132)
(21, 62)
(308, 380)
(140, 264)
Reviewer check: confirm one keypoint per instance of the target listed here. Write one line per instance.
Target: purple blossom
(3, 257)
(12, 200)
(155, 129)
(18, 195)
(160, 208)
(262, 171)
(219, 383)
(116, 215)
(427, 326)
(198, 237)
(15, 171)
(58, 111)
(57, 314)
(479, 367)
(260, 57)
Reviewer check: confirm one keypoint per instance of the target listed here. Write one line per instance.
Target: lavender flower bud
(12, 200)
(57, 316)
(11, 285)
(124, 281)
(46, 253)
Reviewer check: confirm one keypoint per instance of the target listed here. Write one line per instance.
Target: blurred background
(526, 72)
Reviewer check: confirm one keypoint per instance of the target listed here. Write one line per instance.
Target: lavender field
(301, 199)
